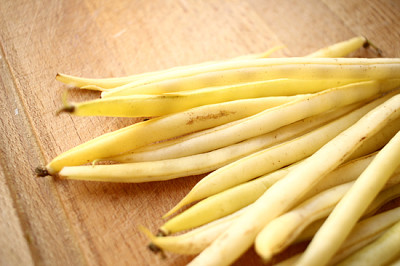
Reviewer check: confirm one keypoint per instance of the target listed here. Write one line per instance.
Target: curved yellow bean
(159, 105)
(363, 233)
(237, 197)
(192, 242)
(261, 123)
(198, 163)
(267, 69)
(157, 151)
(104, 84)
(342, 48)
(282, 231)
(270, 159)
(285, 193)
(339, 223)
(156, 129)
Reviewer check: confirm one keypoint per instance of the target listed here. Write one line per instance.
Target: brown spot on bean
(221, 113)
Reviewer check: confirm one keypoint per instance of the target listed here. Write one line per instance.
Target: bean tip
(66, 109)
(41, 171)
(367, 44)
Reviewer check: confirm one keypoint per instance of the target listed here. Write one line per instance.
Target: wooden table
(50, 222)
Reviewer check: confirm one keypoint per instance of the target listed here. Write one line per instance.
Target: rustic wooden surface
(49, 222)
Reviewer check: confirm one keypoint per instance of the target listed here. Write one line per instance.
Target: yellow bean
(104, 84)
(157, 129)
(159, 105)
(363, 233)
(270, 159)
(267, 69)
(285, 193)
(282, 231)
(339, 223)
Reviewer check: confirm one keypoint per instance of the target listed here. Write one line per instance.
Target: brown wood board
(50, 222)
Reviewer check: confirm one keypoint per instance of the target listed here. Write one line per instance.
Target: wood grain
(50, 222)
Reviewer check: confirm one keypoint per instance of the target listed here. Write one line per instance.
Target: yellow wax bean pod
(284, 194)
(235, 198)
(247, 146)
(263, 88)
(368, 148)
(273, 158)
(189, 148)
(267, 69)
(93, 83)
(192, 242)
(282, 231)
(342, 48)
(157, 129)
(221, 114)
(339, 223)
(364, 232)
(391, 191)
(104, 84)
(169, 150)
(380, 252)
(223, 203)
(149, 171)
(351, 244)
(159, 105)
(337, 50)
(271, 119)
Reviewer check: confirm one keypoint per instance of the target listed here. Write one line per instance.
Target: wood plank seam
(24, 223)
